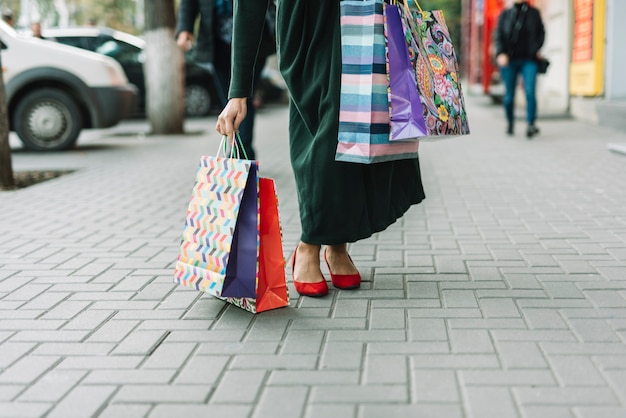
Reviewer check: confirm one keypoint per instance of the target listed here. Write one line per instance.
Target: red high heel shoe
(344, 281)
(315, 289)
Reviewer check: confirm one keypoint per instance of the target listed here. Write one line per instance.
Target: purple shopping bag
(405, 107)
(240, 280)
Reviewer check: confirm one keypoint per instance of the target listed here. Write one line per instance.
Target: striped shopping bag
(363, 135)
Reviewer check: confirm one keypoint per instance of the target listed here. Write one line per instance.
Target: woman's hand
(231, 117)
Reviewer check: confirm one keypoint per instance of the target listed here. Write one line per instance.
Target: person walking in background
(7, 16)
(339, 202)
(35, 29)
(213, 49)
(519, 36)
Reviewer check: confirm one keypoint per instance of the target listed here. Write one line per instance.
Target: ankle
(306, 263)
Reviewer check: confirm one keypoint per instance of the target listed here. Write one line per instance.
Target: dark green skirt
(339, 202)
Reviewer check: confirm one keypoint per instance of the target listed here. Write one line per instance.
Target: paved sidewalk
(502, 295)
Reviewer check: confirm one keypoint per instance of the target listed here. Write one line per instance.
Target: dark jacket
(209, 42)
(520, 32)
(188, 11)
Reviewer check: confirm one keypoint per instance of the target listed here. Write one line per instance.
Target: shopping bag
(220, 251)
(363, 134)
(271, 287)
(437, 72)
(405, 107)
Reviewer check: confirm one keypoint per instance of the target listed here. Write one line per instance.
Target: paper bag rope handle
(236, 148)
(406, 5)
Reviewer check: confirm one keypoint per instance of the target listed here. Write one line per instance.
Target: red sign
(583, 31)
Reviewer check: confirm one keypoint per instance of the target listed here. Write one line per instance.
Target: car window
(83, 42)
(121, 51)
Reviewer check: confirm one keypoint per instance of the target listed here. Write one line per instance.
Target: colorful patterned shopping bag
(436, 70)
(363, 135)
(406, 113)
(232, 245)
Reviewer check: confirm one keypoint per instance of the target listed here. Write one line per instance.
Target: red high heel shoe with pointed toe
(316, 289)
(344, 281)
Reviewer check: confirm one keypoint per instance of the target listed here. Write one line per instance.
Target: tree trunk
(6, 165)
(164, 70)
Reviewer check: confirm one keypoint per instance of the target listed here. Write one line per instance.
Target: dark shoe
(316, 289)
(531, 131)
(344, 281)
(509, 130)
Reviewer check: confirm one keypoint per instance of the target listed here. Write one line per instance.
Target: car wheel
(48, 120)
(197, 100)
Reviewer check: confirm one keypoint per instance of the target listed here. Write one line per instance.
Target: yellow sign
(587, 67)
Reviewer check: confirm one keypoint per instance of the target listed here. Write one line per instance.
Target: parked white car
(54, 91)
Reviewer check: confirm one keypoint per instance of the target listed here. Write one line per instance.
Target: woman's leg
(306, 267)
(529, 76)
(339, 261)
(509, 77)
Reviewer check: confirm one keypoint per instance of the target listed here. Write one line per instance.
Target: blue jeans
(528, 69)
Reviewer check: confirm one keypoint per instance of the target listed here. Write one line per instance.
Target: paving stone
(47, 335)
(490, 401)
(359, 394)
(499, 307)
(573, 396)
(100, 362)
(28, 369)
(140, 343)
(281, 401)
(590, 330)
(86, 320)
(162, 393)
(24, 409)
(351, 309)
(411, 411)
(169, 355)
(600, 412)
(434, 386)
(284, 361)
(200, 411)
(83, 401)
(342, 355)
(267, 329)
(455, 361)
(387, 319)
(239, 386)
(52, 387)
(13, 351)
(126, 410)
(314, 377)
(330, 411)
(202, 369)
(470, 341)
(386, 369)
(459, 299)
(10, 392)
(126, 377)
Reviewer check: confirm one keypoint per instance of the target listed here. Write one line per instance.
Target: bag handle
(406, 5)
(236, 148)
